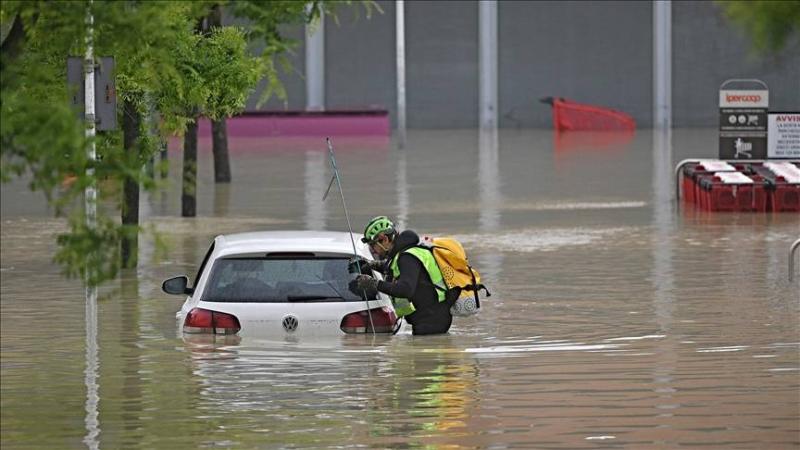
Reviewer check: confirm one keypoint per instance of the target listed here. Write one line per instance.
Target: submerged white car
(280, 283)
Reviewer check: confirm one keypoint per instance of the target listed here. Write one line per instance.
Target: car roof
(289, 241)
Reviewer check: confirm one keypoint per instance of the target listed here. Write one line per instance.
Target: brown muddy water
(617, 320)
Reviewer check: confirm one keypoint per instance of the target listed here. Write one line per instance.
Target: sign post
(743, 119)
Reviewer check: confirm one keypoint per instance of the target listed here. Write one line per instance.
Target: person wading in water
(411, 273)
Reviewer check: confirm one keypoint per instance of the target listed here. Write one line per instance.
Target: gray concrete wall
(594, 52)
(360, 60)
(442, 64)
(708, 50)
(293, 80)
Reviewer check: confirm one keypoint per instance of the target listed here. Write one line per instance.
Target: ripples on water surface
(616, 320)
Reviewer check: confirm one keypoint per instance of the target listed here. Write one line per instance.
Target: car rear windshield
(279, 280)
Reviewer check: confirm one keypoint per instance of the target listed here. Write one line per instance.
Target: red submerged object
(731, 191)
(571, 116)
(715, 185)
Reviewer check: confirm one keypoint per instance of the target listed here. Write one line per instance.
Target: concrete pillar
(662, 64)
(487, 57)
(403, 192)
(315, 65)
(316, 183)
(400, 38)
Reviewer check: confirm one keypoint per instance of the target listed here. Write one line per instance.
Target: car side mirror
(177, 286)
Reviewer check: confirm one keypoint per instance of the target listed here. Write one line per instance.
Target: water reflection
(663, 229)
(376, 391)
(91, 421)
(437, 385)
(489, 179)
(490, 201)
(565, 142)
(222, 199)
(662, 273)
(615, 320)
(130, 355)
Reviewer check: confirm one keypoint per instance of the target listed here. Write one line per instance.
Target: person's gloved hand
(366, 266)
(363, 284)
(355, 264)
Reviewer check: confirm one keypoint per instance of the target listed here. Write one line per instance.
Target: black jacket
(414, 283)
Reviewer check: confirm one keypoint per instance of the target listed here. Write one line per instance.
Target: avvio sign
(743, 123)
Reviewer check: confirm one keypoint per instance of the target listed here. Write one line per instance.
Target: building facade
(592, 52)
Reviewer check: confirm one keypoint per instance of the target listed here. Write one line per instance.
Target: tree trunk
(189, 197)
(11, 46)
(219, 129)
(164, 162)
(130, 189)
(219, 138)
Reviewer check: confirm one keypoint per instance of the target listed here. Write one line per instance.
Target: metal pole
(400, 37)
(315, 65)
(487, 55)
(662, 64)
(90, 193)
(90, 202)
(349, 227)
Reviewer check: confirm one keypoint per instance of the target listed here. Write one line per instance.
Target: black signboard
(743, 119)
(105, 93)
(743, 133)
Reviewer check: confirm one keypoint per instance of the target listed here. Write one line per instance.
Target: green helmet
(377, 225)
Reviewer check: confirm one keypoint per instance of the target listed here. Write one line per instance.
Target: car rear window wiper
(300, 298)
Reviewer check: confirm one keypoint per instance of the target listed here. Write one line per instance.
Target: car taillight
(383, 319)
(200, 320)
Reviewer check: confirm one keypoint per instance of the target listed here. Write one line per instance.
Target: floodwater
(616, 320)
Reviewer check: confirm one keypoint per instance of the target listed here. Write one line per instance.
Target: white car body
(270, 319)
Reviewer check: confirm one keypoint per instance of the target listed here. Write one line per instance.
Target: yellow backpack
(461, 279)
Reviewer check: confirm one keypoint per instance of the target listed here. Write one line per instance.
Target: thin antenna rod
(349, 227)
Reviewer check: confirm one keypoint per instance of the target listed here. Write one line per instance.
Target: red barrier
(571, 116)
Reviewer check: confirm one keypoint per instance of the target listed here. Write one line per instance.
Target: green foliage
(770, 24)
(44, 139)
(214, 76)
(39, 132)
(230, 74)
(264, 19)
(91, 252)
(163, 64)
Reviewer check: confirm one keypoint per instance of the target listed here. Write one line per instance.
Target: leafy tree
(770, 24)
(265, 20)
(144, 61)
(216, 75)
(239, 72)
(163, 64)
(41, 135)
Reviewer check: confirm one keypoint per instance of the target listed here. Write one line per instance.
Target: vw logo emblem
(290, 323)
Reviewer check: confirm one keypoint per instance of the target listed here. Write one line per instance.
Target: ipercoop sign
(743, 124)
(743, 99)
(784, 135)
